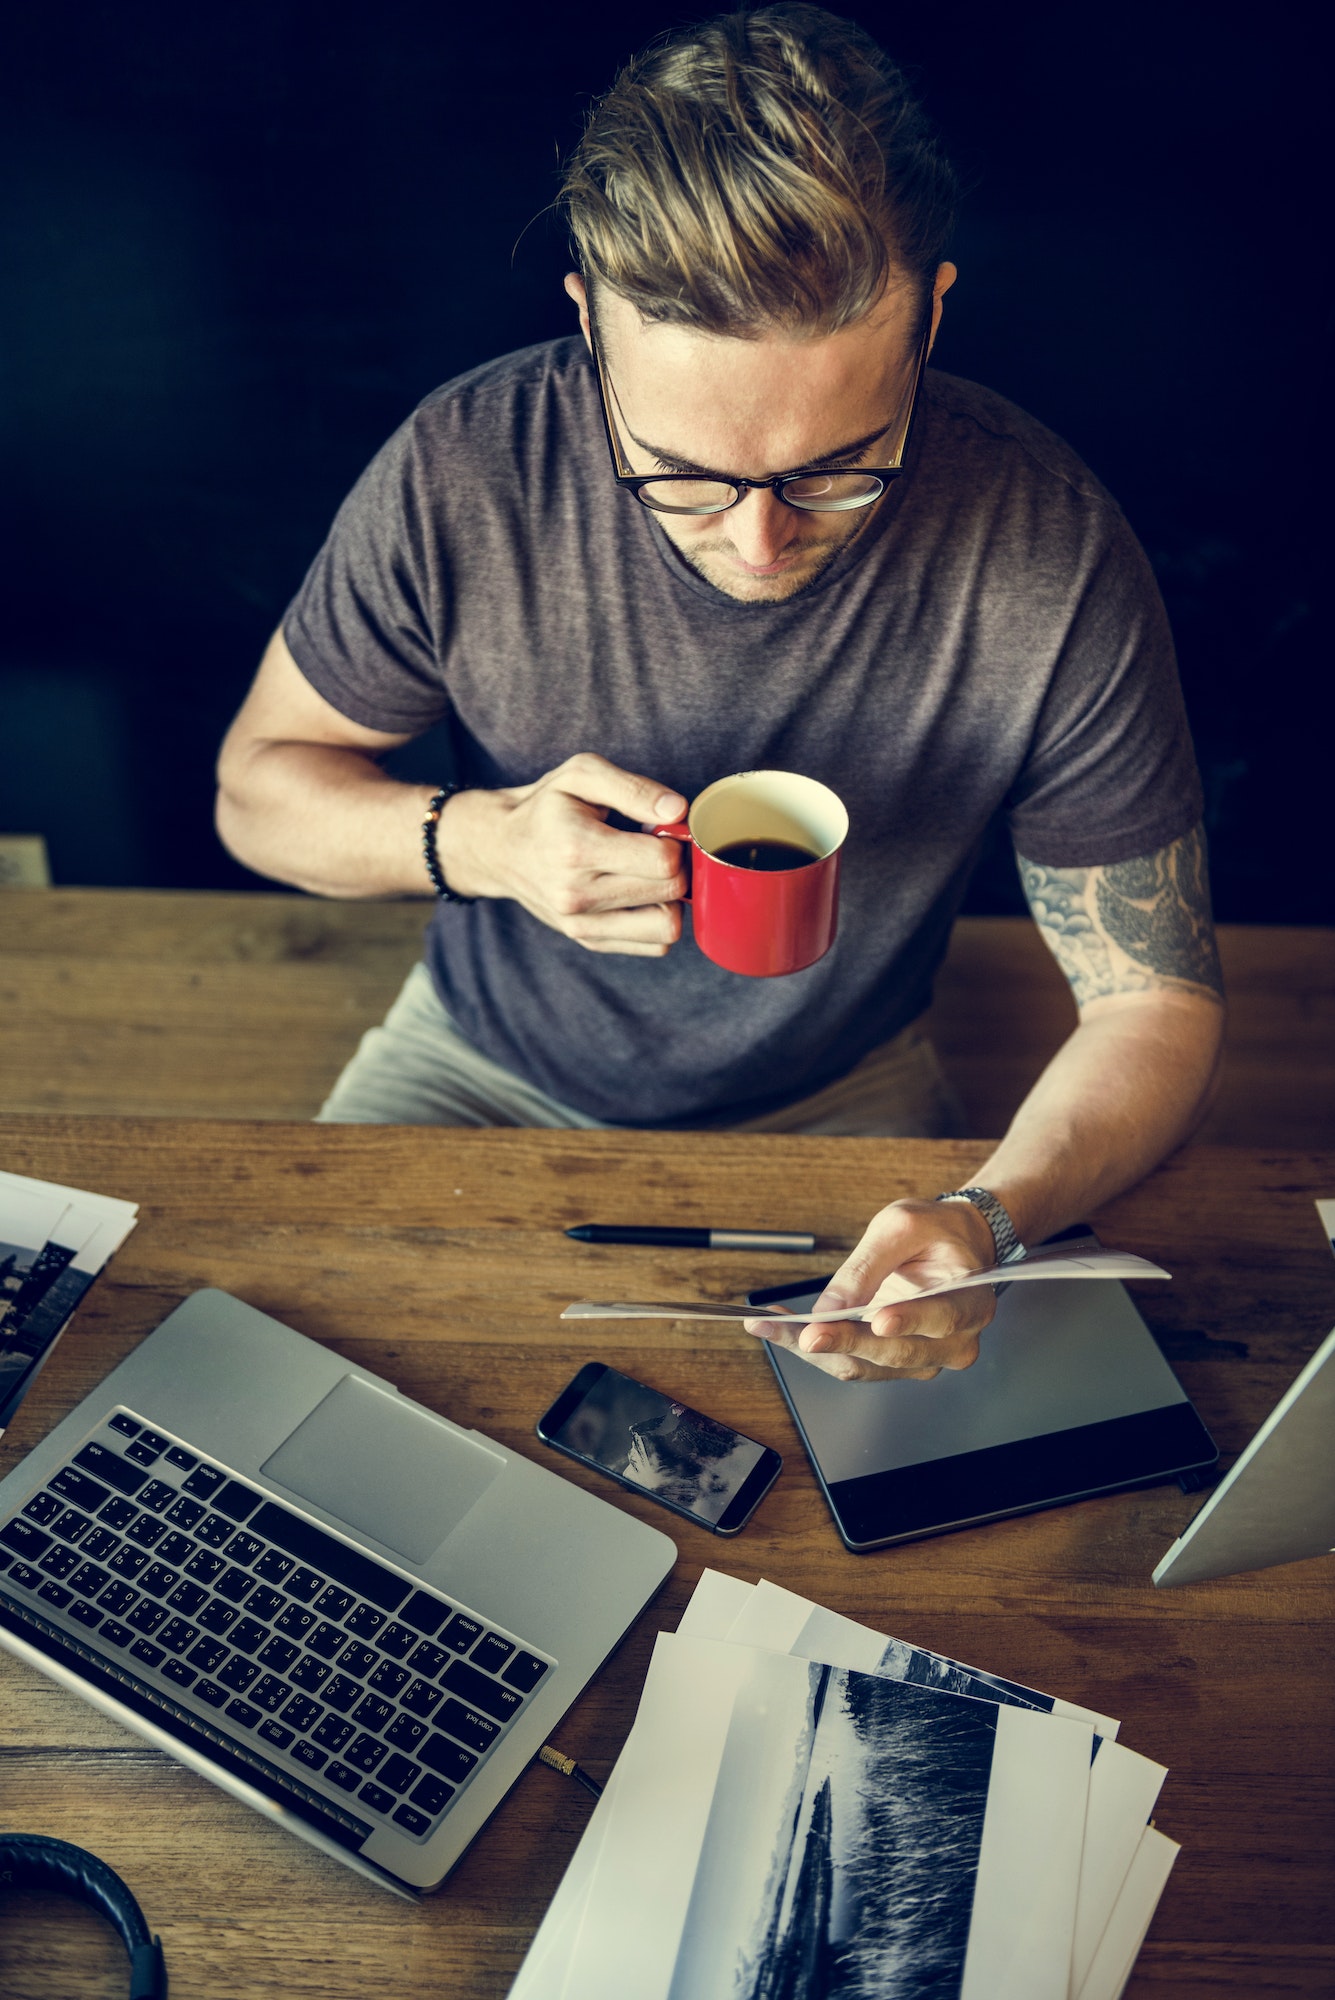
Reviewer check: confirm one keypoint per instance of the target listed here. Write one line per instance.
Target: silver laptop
(1277, 1505)
(355, 1616)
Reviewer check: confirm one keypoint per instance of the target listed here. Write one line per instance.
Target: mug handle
(678, 830)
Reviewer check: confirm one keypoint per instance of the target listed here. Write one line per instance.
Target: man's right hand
(547, 845)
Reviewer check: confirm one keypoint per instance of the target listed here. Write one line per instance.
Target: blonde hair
(763, 170)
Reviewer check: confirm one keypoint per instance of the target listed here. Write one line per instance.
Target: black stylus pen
(695, 1239)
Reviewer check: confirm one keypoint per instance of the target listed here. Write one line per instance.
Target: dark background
(238, 243)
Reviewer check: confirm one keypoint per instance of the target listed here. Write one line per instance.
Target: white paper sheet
(1119, 1947)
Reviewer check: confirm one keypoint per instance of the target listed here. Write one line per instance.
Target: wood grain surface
(196, 1005)
(435, 1258)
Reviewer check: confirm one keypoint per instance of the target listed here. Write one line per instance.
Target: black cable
(556, 1760)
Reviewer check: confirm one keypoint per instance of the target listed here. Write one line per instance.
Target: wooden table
(435, 1258)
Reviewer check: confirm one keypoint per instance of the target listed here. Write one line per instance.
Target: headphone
(31, 1861)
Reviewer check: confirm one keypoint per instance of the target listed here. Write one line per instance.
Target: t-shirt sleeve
(1111, 772)
(367, 626)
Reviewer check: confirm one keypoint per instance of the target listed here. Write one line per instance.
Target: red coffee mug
(755, 914)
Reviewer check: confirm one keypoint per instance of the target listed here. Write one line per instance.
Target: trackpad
(385, 1467)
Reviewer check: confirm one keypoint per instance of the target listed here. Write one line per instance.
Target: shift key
(24, 1538)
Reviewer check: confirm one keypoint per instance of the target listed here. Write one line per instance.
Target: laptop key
(365, 1621)
(388, 1679)
(326, 1640)
(340, 1775)
(467, 1726)
(185, 1513)
(147, 1531)
(188, 1597)
(85, 1614)
(146, 1616)
(142, 1454)
(244, 1549)
(157, 1495)
(295, 1620)
(179, 1672)
(309, 1673)
(278, 1654)
(242, 1712)
(87, 1493)
(182, 1460)
(55, 1593)
(273, 1566)
(43, 1507)
(492, 1652)
(428, 1659)
(420, 1697)
(332, 1733)
(303, 1584)
(113, 1634)
(340, 1693)
(307, 1754)
(129, 1562)
(208, 1655)
(175, 1548)
(357, 1659)
(399, 1774)
(177, 1634)
(238, 1673)
(21, 1574)
(238, 1502)
(373, 1713)
(447, 1759)
(396, 1640)
(125, 1425)
(154, 1440)
(302, 1713)
(214, 1530)
(218, 1617)
(235, 1583)
(274, 1732)
(461, 1633)
(110, 1467)
(90, 1579)
(205, 1566)
(333, 1602)
(157, 1579)
(412, 1820)
(425, 1614)
(210, 1692)
(270, 1693)
(118, 1513)
(99, 1545)
(248, 1635)
(405, 1732)
(432, 1796)
(203, 1482)
(71, 1525)
(150, 1655)
(264, 1603)
(481, 1692)
(378, 1800)
(24, 1539)
(365, 1752)
(59, 1561)
(117, 1599)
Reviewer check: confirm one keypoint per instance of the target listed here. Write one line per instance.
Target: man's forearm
(1129, 1085)
(325, 819)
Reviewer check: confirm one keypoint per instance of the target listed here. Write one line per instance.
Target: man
(936, 624)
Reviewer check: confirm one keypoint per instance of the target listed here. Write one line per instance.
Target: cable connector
(556, 1760)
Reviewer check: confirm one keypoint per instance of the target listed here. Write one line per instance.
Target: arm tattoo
(1132, 925)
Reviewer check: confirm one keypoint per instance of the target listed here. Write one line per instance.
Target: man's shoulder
(512, 387)
(977, 419)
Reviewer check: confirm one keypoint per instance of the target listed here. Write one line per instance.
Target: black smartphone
(689, 1462)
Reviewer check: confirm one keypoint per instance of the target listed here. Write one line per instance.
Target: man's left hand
(926, 1242)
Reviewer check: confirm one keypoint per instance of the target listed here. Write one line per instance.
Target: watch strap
(1005, 1237)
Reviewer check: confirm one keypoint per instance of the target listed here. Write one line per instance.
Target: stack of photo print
(806, 1808)
(53, 1243)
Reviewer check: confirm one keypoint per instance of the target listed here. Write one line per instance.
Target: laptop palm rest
(389, 1469)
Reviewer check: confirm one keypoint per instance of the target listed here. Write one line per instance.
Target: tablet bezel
(937, 1496)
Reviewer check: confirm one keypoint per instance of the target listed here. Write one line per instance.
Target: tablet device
(1069, 1397)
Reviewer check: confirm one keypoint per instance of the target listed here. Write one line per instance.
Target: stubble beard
(804, 576)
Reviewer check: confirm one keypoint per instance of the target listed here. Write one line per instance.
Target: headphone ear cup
(32, 1861)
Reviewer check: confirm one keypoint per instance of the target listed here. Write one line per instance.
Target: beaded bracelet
(437, 806)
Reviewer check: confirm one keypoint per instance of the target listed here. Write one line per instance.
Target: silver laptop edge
(530, 1552)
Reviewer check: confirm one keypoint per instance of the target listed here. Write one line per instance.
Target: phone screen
(682, 1457)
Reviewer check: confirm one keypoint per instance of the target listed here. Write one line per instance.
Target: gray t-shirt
(994, 639)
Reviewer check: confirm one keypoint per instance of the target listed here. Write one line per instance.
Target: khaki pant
(417, 1069)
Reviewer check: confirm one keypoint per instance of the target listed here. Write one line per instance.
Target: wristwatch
(1004, 1238)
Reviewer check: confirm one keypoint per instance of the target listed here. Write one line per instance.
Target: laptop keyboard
(327, 1663)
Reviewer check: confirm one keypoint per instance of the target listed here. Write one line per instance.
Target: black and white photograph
(27, 1220)
(53, 1243)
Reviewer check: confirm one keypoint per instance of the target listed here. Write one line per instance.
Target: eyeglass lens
(814, 492)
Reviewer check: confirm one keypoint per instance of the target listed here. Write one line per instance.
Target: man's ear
(946, 275)
(576, 289)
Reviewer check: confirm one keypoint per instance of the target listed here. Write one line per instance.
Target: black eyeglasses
(817, 490)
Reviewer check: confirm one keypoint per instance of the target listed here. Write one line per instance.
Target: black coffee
(770, 856)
